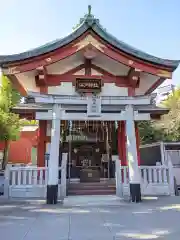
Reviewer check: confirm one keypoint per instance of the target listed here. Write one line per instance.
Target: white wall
(146, 82)
(27, 80)
(66, 88)
(109, 89)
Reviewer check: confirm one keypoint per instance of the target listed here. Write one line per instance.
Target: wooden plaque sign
(88, 85)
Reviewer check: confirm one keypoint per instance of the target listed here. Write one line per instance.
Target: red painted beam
(70, 49)
(69, 76)
(131, 91)
(132, 61)
(41, 79)
(41, 149)
(155, 85)
(17, 85)
(56, 79)
(87, 67)
(74, 70)
(103, 71)
(122, 143)
(134, 77)
(43, 89)
(43, 60)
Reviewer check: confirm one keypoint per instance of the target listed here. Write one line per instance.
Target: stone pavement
(90, 218)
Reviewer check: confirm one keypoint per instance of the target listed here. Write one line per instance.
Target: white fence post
(6, 180)
(171, 178)
(63, 176)
(18, 180)
(162, 149)
(119, 186)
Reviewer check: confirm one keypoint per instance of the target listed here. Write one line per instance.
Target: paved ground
(93, 218)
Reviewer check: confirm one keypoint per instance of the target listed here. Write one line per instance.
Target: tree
(168, 127)
(149, 133)
(9, 121)
(9, 97)
(170, 123)
(25, 122)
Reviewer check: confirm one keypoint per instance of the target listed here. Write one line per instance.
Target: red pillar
(41, 143)
(122, 143)
(137, 143)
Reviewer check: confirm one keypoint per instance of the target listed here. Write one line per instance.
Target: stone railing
(155, 180)
(31, 181)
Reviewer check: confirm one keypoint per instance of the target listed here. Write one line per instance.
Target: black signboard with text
(88, 85)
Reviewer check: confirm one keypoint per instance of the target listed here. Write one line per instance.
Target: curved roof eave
(46, 48)
(93, 24)
(134, 51)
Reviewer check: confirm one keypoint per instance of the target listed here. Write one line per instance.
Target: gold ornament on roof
(130, 62)
(48, 59)
(11, 70)
(165, 74)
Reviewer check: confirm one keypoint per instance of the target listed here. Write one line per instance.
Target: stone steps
(94, 188)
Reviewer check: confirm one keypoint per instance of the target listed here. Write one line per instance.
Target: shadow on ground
(88, 217)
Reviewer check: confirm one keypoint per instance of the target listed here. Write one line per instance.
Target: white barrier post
(171, 178)
(7, 180)
(63, 175)
(119, 184)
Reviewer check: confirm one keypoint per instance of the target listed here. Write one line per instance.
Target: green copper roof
(86, 23)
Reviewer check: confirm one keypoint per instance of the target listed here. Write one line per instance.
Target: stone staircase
(107, 187)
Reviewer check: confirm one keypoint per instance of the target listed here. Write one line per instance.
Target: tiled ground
(91, 217)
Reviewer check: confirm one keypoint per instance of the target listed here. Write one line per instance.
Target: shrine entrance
(85, 162)
(89, 147)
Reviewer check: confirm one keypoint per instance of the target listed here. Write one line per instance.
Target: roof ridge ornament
(88, 22)
(89, 9)
(89, 18)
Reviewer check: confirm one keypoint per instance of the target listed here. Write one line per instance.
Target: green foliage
(170, 123)
(25, 122)
(172, 99)
(149, 133)
(9, 122)
(9, 126)
(168, 127)
(9, 97)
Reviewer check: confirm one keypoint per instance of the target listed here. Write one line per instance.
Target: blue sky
(150, 25)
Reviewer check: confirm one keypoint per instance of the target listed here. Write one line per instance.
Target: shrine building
(88, 90)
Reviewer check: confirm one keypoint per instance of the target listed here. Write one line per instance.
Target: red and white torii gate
(126, 76)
